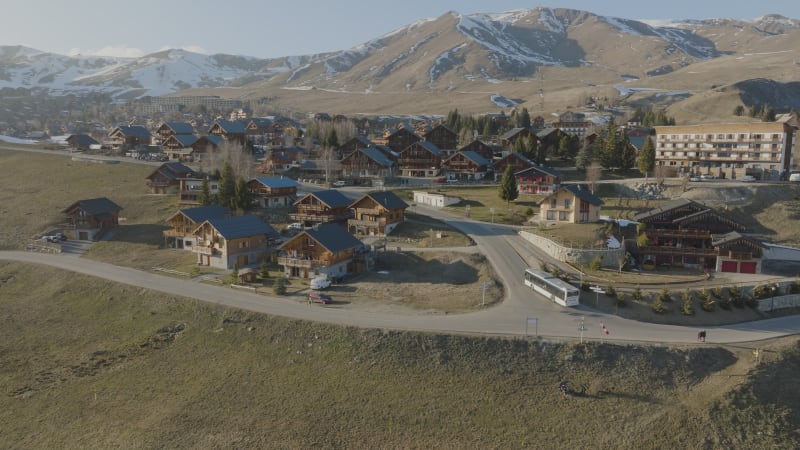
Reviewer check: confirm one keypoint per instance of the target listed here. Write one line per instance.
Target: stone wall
(576, 256)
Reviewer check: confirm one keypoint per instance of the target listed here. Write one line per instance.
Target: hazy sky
(271, 28)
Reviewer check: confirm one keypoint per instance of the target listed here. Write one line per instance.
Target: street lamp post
(582, 327)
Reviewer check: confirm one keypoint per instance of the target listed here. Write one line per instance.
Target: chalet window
(554, 203)
(551, 215)
(563, 215)
(567, 203)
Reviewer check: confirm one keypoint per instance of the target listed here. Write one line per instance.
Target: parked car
(341, 183)
(695, 178)
(320, 283)
(297, 226)
(319, 297)
(794, 177)
(748, 178)
(707, 176)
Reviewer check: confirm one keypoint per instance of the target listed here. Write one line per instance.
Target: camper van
(795, 177)
(321, 282)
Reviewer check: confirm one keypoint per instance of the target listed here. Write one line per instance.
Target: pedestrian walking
(701, 336)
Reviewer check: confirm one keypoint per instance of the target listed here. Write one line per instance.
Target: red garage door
(747, 267)
(730, 266)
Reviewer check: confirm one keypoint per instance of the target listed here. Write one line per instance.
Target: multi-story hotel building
(763, 150)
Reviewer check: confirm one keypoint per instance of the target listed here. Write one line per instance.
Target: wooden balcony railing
(669, 250)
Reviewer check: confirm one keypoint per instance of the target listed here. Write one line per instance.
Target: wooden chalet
(327, 249)
(259, 130)
(510, 137)
(232, 242)
(166, 178)
(129, 136)
(681, 233)
(570, 203)
(177, 142)
(322, 207)
(420, 159)
(190, 189)
(485, 150)
(168, 129)
(550, 138)
(354, 144)
(445, 139)
(399, 138)
(183, 223)
(367, 162)
(466, 165)
(273, 192)
(537, 180)
(88, 220)
(738, 253)
(230, 131)
(517, 162)
(377, 214)
(82, 142)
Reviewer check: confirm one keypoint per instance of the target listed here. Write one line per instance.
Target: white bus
(552, 287)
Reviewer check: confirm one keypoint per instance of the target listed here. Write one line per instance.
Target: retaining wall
(577, 256)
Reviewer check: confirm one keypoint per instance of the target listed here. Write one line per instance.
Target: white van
(321, 282)
(795, 177)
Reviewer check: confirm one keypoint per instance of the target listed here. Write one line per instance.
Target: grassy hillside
(90, 364)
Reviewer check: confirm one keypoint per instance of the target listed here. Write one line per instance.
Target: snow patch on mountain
(445, 61)
(503, 102)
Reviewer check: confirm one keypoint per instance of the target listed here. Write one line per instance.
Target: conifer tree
(647, 157)
(508, 186)
(205, 193)
(227, 187)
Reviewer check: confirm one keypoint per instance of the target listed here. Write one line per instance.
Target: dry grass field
(90, 364)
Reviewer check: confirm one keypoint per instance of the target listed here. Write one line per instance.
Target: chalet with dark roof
(177, 142)
(354, 144)
(232, 242)
(685, 233)
(327, 249)
(420, 159)
(550, 137)
(367, 162)
(570, 203)
(168, 129)
(206, 144)
(322, 207)
(191, 188)
(510, 137)
(466, 165)
(399, 138)
(129, 136)
(88, 220)
(81, 142)
(184, 222)
(445, 139)
(485, 150)
(377, 214)
(166, 178)
(230, 131)
(537, 180)
(517, 162)
(273, 192)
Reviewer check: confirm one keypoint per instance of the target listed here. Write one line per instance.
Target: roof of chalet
(202, 213)
(512, 132)
(579, 192)
(212, 139)
(537, 168)
(260, 122)
(668, 206)
(173, 170)
(330, 197)
(277, 182)
(386, 150)
(95, 206)
(240, 226)
(722, 239)
(429, 146)
(333, 237)
(387, 199)
(698, 214)
(362, 140)
(517, 156)
(186, 140)
(232, 126)
(547, 132)
(472, 156)
(133, 130)
(180, 127)
(82, 139)
(376, 155)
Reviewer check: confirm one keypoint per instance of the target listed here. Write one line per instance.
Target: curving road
(507, 252)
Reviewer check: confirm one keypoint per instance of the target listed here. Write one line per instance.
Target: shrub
(585, 286)
(716, 292)
(703, 295)
(708, 304)
(529, 211)
(279, 286)
(610, 291)
(658, 306)
(263, 272)
(596, 263)
(736, 297)
(637, 294)
(762, 291)
(620, 299)
(687, 309)
(544, 266)
(234, 275)
(664, 296)
(751, 301)
(725, 303)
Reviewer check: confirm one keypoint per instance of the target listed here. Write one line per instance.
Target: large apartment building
(762, 149)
